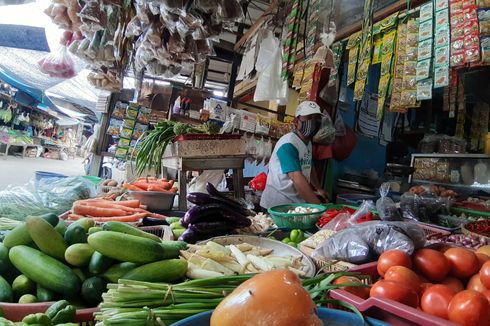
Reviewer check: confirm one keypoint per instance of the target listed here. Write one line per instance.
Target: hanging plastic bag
(268, 151)
(345, 219)
(58, 64)
(258, 183)
(386, 206)
(326, 134)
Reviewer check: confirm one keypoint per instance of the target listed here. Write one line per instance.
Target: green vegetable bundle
(154, 143)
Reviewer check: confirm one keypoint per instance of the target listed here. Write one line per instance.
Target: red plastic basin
(386, 310)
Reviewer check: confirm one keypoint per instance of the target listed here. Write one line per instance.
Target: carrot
(126, 203)
(127, 218)
(163, 179)
(74, 217)
(131, 187)
(173, 190)
(112, 205)
(171, 183)
(156, 187)
(166, 185)
(86, 210)
(141, 184)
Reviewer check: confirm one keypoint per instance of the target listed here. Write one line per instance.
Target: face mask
(309, 128)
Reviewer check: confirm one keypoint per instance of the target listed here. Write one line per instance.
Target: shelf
(436, 155)
(453, 185)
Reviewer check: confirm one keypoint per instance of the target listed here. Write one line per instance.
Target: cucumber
(20, 236)
(79, 254)
(176, 225)
(61, 227)
(6, 294)
(172, 248)
(75, 234)
(127, 248)
(81, 275)
(171, 220)
(44, 270)
(23, 285)
(161, 271)
(46, 238)
(7, 270)
(99, 263)
(92, 290)
(178, 232)
(94, 229)
(114, 273)
(44, 295)
(128, 229)
(86, 223)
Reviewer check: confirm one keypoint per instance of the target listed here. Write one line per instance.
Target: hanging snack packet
(442, 55)
(426, 11)
(423, 69)
(441, 4)
(424, 90)
(441, 76)
(425, 30)
(425, 50)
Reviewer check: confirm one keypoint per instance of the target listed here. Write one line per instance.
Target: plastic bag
(424, 207)
(268, 151)
(58, 64)
(48, 195)
(344, 145)
(386, 206)
(258, 183)
(363, 243)
(326, 134)
(345, 219)
(230, 10)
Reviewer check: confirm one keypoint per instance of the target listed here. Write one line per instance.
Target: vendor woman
(290, 178)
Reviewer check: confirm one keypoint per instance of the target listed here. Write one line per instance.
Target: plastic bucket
(48, 175)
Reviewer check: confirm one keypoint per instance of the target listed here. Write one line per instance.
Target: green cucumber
(6, 294)
(92, 290)
(129, 229)
(171, 220)
(176, 225)
(99, 263)
(61, 227)
(86, 223)
(172, 248)
(165, 271)
(79, 254)
(44, 270)
(81, 275)
(77, 231)
(127, 248)
(178, 232)
(20, 236)
(94, 229)
(46, 238)
(114, 273)
(44, 295)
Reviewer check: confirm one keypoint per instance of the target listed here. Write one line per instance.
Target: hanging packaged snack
(471, 40)
(363, 69)
(129, 123)
(359, 89)
(457, 58)
(389, 43)
(442, 37)
(383, 86)
(122, 152)
(127, 132)
(123, 142)
(299, 71)
(263, 125)
(139, 130)
(484, 21)
(441, 55)
(457, 19)
(442, 18)
(410, 68)
(377, 50)
(132, 111)
(409, 82)
(119, 111)
(424, 90)
(351, 68)
(471, 26)
(424, 50)
(485, 50)
(441, 76)
(408, 98)
(426, 11)
(441, 4)
(386, 65)
(425, 30)
(144, 115)
(472, 54)
(114, 128)
(423, 69)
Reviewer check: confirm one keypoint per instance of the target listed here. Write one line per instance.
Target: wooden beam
(256, 26)
(379, 15)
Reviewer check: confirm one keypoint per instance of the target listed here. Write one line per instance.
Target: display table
(184, 164)
(24, 148)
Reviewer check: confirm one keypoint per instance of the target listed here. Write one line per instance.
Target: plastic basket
(295, 221)
(386, 310)
(328, 316)
(470, 212)
(162, 231)
(16, 312)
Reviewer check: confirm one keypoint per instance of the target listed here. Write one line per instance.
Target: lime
(27, 298)
(22, 285)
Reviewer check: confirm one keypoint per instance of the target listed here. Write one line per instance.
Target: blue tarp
(23, 37)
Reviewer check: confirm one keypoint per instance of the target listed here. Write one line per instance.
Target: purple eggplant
(214, 192)
(231, 220)
(150, 221)
(211, 228)
(189, 236)
(197, 212)
(205, 199)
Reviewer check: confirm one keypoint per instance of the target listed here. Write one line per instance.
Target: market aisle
(18, 171)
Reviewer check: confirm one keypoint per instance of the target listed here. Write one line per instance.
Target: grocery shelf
(452, 185)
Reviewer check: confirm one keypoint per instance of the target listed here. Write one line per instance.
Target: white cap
(307, 108)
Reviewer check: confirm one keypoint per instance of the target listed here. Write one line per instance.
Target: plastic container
(48, 175)
(354, 199)
(458, 222)
(386, 310)
(16, 312)
(295, 221)
(328, 316)
(154, 200)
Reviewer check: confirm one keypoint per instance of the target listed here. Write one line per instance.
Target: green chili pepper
(297, 236)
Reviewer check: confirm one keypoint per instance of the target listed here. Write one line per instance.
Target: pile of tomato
(331, 213)
(451, 283)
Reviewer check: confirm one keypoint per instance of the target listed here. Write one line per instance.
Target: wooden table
(184, 164)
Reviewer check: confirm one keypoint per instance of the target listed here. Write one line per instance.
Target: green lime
(27, 298)
(293, 244)
(286, 240)
(22, 285)
(178, 232)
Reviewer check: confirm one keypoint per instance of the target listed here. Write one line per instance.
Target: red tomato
(431, 264)
(464, 262)
(469, 308)
(395, 291)
(453, 283)
(424, 286)
(487, 294)
(475, 284)
(393, 258)
(485, 274)
(362, 292)
(482, 258)
(401, 274)
(435, 300)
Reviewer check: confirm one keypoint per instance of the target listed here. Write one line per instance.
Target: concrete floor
(17, 171)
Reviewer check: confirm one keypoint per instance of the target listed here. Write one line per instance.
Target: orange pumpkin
(274, 298)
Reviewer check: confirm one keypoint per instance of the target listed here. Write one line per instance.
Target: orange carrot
(125, 203)
(112, 205)
(131, 187)
(141, 184)
(173, 190)
(127, 218)
(163, 179)
(166, 185)
(97, 211)
(74, 217)
(171, 183)
(156, 187)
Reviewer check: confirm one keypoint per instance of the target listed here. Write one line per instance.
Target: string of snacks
(353, 48)
(313, 27)
(441, 45)
(424, 53)
(484, 22)
(338, 50)
(409, 93)
(291, 41)
(398, 70)
(465, 33)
